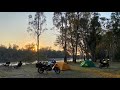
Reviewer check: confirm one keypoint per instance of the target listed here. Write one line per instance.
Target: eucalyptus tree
(60, 22)
(71, 34)
(111, 39)
(36, 26)
(94, 27)
(78, 30)
(89, 30)
(115, 28)
(73, 30)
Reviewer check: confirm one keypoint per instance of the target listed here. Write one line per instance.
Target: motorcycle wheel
(40, 70)
(57, 70)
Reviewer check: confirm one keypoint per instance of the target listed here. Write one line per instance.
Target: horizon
(13, 30)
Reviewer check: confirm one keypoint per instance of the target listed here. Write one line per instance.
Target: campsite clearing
(30, 71)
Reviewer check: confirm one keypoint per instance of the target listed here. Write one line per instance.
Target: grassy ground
(30, 71)
(111, 72)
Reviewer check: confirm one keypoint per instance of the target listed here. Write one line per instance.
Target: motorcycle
(44, 67)
(104, 63)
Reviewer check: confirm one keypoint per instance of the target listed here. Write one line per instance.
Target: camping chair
(7, 64)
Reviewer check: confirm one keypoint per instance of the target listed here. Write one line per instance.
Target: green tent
(87, 63)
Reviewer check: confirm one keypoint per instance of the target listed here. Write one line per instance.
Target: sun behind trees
(31, 47)
(27, 53)
(77, 31)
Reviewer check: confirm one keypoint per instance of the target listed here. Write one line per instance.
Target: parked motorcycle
(104, 63)
(44, 67)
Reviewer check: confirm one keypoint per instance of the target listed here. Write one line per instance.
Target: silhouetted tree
(37, 26)
(60, 21)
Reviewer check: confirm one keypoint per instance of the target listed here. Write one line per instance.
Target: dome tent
(87, 63)
(63, 66)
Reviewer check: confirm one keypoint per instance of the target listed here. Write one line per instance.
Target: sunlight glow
(13, 30)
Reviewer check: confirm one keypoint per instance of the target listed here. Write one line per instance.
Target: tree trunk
(84, 57)
(93, 45)
(38, 47)
(77, 36)
(76, 46)
(87, 56)
(38, 38)
(65, 49)
(93, 56)
(74, 55)
(65, 54)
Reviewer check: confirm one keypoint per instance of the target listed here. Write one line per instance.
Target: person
(19, 64)
(53, 61)
(7, 64)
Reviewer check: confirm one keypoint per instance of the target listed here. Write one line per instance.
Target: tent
(63, 66)
(87, 63)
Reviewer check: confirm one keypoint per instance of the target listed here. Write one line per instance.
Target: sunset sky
(13, 29)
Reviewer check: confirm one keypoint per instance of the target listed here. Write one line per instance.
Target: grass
(30, 71)
(112, 72)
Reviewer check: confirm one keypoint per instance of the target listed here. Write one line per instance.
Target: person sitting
(53, 61)
(7, 64)
(19, 65)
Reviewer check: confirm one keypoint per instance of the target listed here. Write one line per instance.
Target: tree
(84, 33)
(73, 33)
(114, 26)
(36, 24)
(60, 21)
(78, 28)
(94, 27)
(15, 46)
(30, 47)
(89, 31)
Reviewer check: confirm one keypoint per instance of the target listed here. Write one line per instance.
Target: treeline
(109, 42)
(88, 33)
(27, 54)
(49, 53)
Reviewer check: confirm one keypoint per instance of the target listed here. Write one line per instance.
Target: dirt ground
(30, 71)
